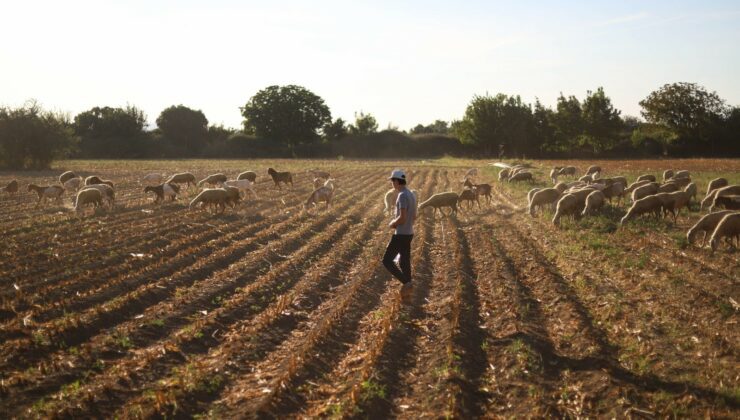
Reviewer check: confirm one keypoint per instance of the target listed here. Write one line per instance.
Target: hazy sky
(406, 62)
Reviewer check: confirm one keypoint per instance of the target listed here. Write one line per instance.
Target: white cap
(398, 174)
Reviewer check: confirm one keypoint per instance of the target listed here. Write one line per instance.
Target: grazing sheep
(679, 200)
(323, 193)
(107, 191)
(586, 179)
(680, 182)
(249, 175)
(561, 186)
(66, 176)
(390, 199)
(517, 169)
(568, 170)
(728, 190)
(92, 180)
(531, 194)
(681, 174)
(715, 184)
(706, 225)
(521, 176)
(729, 202)
(280, 177)
(243, 185)
(11, 187)
(691, 189)
(88, 196)
(319, 174)
(644, 191)
(542, 197)
(163, 191)
(470, 196)
(728, 227)
(182, 178)
(215, 197)
(152, 179)
(649, 204)
(567, 205)
(667, 174)
(232, 195)
(669, 187)
(646, 177)
(46, 192)
(213, 180)
(73, 184)
(616, 189)
(637, 184)
(480, 189)
(504, 174)
(439, 200)
(594, 201)
(595, 169)
(554, 174)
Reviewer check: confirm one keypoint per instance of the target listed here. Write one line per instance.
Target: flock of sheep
(589, 193)
(95, 192)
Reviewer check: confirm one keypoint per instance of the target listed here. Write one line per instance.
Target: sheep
(637, 184)
(470, 196)
(318, 182)
(730, 202)
(152, 179)
(554, 174)
(66, 176)
(649, 204)
(594, 201)
(719, 192)
(87, 196)
(324, 193)
(480, 189)
(586, 178)
(716, 183)
(691, 189)
(568, 170)
(46, 192)
(319, 174)
(163, 191)
(217, 197)
(521, 176)
(232, 195)
(439, 200)
(517, 169)
(250, 175)
(706, 225)
(243, 185)
(561, 186)
(728, 227)
(616, 189)
(531, 194)
(667, 174)
(11, 187)
(73, 184)
(213, 180)
(669, 187)
(543, 197)
(390, 199)
(92, 180)
(681, 174)
(572, 205)
(278, 177)
(681, 182)
(644, 191)
(679, 200)
(646, 177)
(107, 191)
(595, 169)
(182, 178)
(504, 174)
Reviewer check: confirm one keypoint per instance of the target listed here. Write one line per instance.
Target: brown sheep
(729, 202)
(216, 197)
(728, 227)
(595, 169)
(669, 187)
(715, 184)
(646, 177)
(470, 196)
(11, 187)
(480, 189)
(280, 177)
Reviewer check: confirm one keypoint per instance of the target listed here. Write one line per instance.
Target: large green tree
(290, 114)
(111, 132)
(364, 124)
(336, 130)
(184, 128)
(688, 110)
(602, 125)
(437, 127)
(31, 138)
(498, 124)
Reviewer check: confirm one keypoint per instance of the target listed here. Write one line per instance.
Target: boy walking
(403, 226)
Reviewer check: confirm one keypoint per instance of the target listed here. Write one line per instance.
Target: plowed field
(267, 310)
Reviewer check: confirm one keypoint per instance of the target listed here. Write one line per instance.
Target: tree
(112, 132)
(290, 115)
(567, 123)
(364, 124)
(336, 130)
(31, 138)
(601, 122)
(438, 127)
(687, 109)
(501, 124)
(185, 128)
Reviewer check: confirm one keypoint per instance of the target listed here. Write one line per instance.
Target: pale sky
(405, 62)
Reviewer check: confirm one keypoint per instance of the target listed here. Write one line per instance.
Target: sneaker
(406, 291)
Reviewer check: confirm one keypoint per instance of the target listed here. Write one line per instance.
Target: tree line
(679, 119)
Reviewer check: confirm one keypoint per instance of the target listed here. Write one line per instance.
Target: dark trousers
(399, 244)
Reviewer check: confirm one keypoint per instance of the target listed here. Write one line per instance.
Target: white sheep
(439, 200)
(644, 191)
(667, 174)
(706, 225)
(182, 178)
(243, 185)
(554, 174)
(715, 184)
(87, 196)
(66, 176)
(152, 179)
(728, 227)
(521, 176)
(567, 205)
(594, 201)
(72, 184)
(681, 174)
(109, 195)
(323, 193)
(648, 204)
(215, 197)
(719, 192)
(542, 197)
(646, 177)
(568, 170)
(390, 200)
(669, 187)
(213, 179)
(250, 175)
